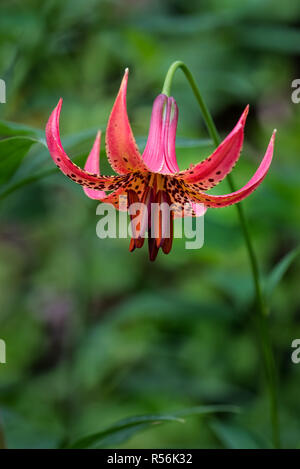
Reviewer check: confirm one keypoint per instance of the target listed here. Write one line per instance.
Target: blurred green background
(95, 334)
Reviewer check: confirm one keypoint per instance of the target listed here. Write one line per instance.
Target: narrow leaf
(12, 152)
(279, 270)
(12, 129)
(234, 436)
(124, 429)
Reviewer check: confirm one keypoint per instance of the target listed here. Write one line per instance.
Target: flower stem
(268, 357)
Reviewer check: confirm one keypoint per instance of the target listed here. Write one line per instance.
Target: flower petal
(159, 154)
(237, 196)
(213, 169)
(190, 209)
(64, 163)
(92, 165)
(121, 148)
(170, 128)
(182, 204)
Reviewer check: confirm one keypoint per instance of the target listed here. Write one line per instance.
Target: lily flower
(154, 177)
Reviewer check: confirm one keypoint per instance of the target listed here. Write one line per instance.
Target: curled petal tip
(125, 80)
(121, 146)
(59, 104)
(123, 87)
(64, 163)
(272, 140)
(244, 115)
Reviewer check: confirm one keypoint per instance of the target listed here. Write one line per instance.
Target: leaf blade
(12, 152)
(279, 270)
(234, 436)
(124, 429)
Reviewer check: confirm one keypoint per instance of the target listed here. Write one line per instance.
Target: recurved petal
(182, 205)
(117, 198)
(191, 209)
(213, 169)
(237, 196)
(61, 159)
(121, 147)
(92, 165)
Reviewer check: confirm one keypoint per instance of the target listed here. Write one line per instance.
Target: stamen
(153, 215)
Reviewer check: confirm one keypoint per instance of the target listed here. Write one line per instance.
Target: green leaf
(279, 270)
(124, 429)
(11, 129)
(12, 152)
(36, 176)
(234, 436)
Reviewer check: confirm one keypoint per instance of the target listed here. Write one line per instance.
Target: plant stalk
(268, 357)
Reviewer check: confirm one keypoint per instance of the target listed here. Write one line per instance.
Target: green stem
(267, 351)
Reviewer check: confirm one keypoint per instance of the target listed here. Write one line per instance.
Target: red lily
(155, 176)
